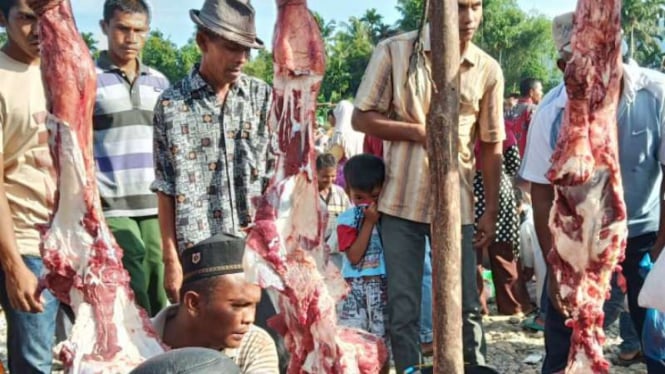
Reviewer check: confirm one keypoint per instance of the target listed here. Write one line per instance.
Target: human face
(536, 93)
(222, 60)
(126, 33)
(326, 176)
(359, 198)
(22, 30)
(227, 313)
(470, 15)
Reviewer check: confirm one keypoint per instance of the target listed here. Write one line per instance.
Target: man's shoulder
(156, 74)
(650, 80)
(255, 85)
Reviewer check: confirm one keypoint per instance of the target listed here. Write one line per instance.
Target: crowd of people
(178, 164)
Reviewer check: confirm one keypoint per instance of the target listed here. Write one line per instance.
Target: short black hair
(527, 84)
(514, 95)
(331, 113)
(6, 6)
(128, 6)
(325, 160)
(205, 287)
(364, 172)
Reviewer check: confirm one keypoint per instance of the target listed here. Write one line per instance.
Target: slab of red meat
(285, 250)
(588, 219)
(83, 262)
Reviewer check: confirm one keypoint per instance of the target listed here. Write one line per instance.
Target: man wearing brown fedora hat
(211, 137)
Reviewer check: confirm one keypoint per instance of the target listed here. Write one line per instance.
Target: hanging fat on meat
(83, 262)
(588, 218)
(285, 250)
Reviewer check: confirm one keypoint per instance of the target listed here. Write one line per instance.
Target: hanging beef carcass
(285, 249)
(588, 219)
(83, 262)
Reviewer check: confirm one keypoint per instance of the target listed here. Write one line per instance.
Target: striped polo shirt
(123, 138)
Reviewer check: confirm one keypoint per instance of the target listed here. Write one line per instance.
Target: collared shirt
(257, 353)
(641, 143)
(387, 88)
(211, 157)
(336, 202)
(122, 124)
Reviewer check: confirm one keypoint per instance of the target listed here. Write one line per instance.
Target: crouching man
(217, 307)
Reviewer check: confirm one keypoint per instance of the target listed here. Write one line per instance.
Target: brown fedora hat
(231, 19)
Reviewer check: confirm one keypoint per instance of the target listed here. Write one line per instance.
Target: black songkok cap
(218, 255)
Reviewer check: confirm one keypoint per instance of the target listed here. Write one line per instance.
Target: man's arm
(378, 125)
(164, 186)
(542, 197)
(660, 239)
(172, 267)
(21, 284)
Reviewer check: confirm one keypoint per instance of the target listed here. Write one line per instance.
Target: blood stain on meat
(83, 262)
(285, 251)
(588, 219)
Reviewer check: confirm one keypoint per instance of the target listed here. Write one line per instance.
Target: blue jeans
(188, 361)
(615, 308)
(426, 303)
(30, 336)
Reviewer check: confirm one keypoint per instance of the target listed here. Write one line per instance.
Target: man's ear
(201, 42)
(3, 21)
(192, 302)
(104, 26)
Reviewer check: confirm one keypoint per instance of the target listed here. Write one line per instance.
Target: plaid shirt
(211, 157)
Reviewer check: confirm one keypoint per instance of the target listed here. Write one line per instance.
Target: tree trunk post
(442, 143)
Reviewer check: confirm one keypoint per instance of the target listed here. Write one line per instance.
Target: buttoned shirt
(641, 123)
(211, 156)
(387, 88)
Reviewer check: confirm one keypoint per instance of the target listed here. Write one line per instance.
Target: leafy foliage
(642, 22)
(3, 38)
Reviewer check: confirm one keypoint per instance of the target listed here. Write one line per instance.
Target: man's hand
(172, 279)
(421, 136)
(23, 290)
(555, 295)
(372, 214)
(486, 230)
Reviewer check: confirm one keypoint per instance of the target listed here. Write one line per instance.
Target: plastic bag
(653, 332)
(652, 294)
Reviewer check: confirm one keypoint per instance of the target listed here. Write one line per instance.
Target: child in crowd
(363, 266)
(332, 195)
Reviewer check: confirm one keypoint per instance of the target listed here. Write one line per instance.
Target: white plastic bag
(652, 294)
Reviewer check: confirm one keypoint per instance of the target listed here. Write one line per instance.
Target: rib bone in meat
(588, 219)
(84, 269)
(285, 249)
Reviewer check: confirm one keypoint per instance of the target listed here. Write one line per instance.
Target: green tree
(91, 42)
(3, 38)
(520, 42)
(261, 66)
(162, 54)
(642, 25)
(377, 28)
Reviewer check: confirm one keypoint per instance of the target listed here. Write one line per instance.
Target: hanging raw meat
(83, 262)
(588, 219)
(285, 250)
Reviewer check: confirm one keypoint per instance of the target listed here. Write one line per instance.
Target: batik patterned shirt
(211, 156)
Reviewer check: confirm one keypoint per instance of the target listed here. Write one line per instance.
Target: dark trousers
(557, 335)
(511, 294)
(404, 249)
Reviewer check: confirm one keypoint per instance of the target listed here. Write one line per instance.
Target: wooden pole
(442, 130)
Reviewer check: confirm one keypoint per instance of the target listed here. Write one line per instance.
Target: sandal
(627, 360)
(532, 324)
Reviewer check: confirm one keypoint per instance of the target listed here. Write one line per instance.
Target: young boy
(332, 195)
(363, 266)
